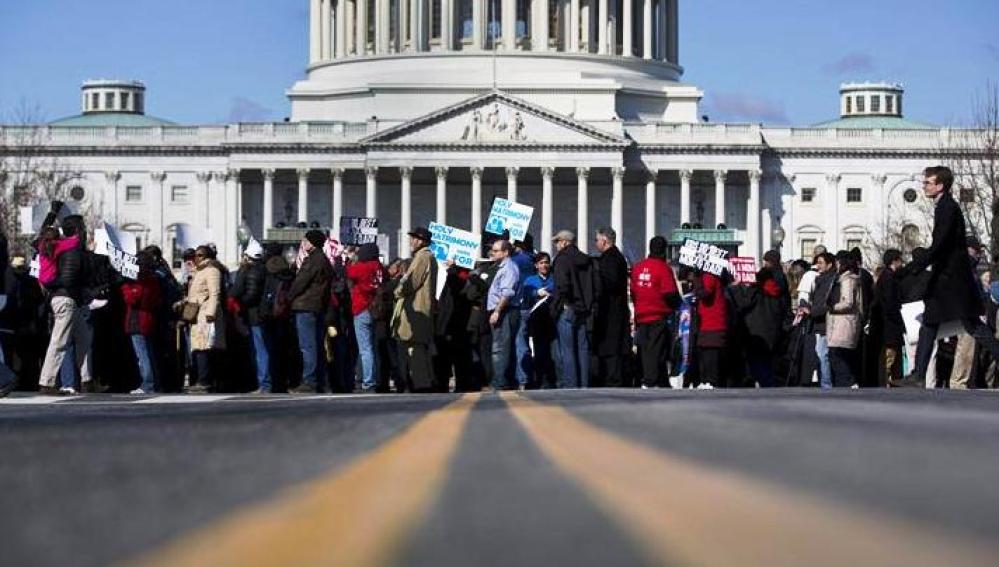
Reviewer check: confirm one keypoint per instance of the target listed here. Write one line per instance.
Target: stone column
(447, 25)
(476, 200)
(381, 26)
(303, 195)
(157, 202)
(403, 29)
(627, 37)
(350, 23)
(268, 199)
(547, 207)
(478, 24)
(337, 196)
(753, 213)
(650, 206)
(603, 20)
(720, 176)
(685, 175)
(326, 26)
(647, 29)
(406, 207)
(361, 36)
(415, 18)
(315, 31)
(511, 183)
(371, 192)
(441, 195)
(341, 28)
(832, 211)
(573, 26)
(205, 179)
(582, 207)
(539, 33)
(233, 216)
(112, 178)
(617, 204)
(509, 25)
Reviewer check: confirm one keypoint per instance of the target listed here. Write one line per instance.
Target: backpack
(274, 303)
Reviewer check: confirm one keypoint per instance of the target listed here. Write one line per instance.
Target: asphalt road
(596, 477)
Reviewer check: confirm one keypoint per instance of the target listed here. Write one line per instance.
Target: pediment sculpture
(498, 125)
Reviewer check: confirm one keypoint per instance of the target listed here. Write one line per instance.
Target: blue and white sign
(450, 243)
(508, 215)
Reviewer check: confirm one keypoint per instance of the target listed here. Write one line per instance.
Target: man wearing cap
(574, 300)
(248, 290)
(413, 316)
(309, 296)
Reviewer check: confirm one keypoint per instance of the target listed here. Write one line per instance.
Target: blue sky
(771, 61)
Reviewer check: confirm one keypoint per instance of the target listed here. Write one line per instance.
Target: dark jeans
(610, 369)
(503, 349)
(761, 366)
(310, 342)
(709, 364)
(845, 363)
(654, 342)
(203, 364)
(574, 350)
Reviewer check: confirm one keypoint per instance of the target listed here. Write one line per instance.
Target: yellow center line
(679, 511)
(359, 515)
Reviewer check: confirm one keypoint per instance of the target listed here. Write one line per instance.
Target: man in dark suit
(612, 328)
(952, 292)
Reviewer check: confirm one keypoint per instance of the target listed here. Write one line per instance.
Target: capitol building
(415, 111)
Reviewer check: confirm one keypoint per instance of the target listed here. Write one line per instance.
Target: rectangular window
(849, 105)
(178, 193)
(808, 247)
(124, 101)
(890, 104)
(852, 243)
(139, 103)
(95, 101)
(876, 103)
(808, 195)
(854, 195)
(109, 101)
(860, 104)
(133, 193)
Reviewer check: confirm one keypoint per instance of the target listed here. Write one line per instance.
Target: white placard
(511, 216)
(119, 248)
(703, 256)
(450, 243)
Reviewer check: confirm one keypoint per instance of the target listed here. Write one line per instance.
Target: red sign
(744, 269)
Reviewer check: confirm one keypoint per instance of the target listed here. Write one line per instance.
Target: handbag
(189, 312)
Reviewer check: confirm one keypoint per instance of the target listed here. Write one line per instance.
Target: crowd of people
(330, 318)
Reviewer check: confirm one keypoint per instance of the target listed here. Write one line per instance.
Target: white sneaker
(705, 386)
(644, 387)
(67, 391)
(138, 392)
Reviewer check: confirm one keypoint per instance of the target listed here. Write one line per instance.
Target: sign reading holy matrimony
(511, 216)
(450, 243)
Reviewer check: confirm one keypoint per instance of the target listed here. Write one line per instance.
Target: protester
(502, 310)
(537, 291)
(203, 310)
(365, 276)
(309, 296)
(656, 297)
(712, 326)
(8, 306)
(413, 315)
(573, 304)
(844, 322)
(248, 291)
(762, 309)
(523, 256)
(817, 310)
(388, 364)
(612, 322)
(142, 299)
(887, 309)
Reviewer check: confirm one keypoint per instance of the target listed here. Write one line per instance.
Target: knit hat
(316, 238)
(254, 249)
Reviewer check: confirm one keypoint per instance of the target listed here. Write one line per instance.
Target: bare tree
(29, 175)
(903, 227)
(973, 155)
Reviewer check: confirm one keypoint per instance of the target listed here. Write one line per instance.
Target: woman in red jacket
(712, 328)
(142, 300)
(365, 275)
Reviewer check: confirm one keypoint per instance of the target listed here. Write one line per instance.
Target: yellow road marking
(356, 516)
(679, 511)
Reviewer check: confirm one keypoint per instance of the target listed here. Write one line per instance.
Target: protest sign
(119, 248)
(744, 269)
(703, 256)
(912, 316)
(355, 231)
(450, 243)
(508, 215)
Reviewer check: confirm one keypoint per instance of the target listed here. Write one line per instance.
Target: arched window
(809, 236)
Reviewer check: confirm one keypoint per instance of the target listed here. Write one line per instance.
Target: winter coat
(365, 277)
(846, 312)
(248, 290)
(888, 308)
(712, 310)
(311, 289)
(71, 278)
(952, 292)
(142, 300)
(820, 301)
(574, 287)
(413, 316)
(653, 289)
(761, 307)
(612, 327)
(206, 291)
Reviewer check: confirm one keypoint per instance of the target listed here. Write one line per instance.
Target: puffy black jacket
(71, 276)
(248, 289)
